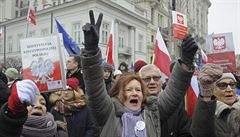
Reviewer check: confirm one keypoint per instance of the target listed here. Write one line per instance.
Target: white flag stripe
(161, 44)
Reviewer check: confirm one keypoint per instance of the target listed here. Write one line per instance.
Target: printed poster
(221, 51)
(42, 62)
(180, 29)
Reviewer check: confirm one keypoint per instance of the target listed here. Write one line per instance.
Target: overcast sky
(224, 16)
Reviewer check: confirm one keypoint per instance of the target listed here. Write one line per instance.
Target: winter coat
(210, 118)
(177, 125)
(108, 111)
(221, 115)
(79, 123)
(12, 126)
(203, 119)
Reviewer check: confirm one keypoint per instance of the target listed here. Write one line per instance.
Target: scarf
(133, 124)
(40, 126)
(222, 106)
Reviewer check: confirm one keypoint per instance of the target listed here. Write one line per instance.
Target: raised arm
(203, 116)
(179, 80)
(91, 60)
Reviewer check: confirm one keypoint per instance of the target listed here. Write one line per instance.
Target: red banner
(224, 59)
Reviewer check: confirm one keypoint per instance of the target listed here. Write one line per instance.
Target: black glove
(189, 49)
(91, 33)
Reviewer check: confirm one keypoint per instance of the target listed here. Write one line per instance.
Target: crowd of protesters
(102, 102)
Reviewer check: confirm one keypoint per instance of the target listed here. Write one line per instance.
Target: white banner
(42, 62)
(219, 43)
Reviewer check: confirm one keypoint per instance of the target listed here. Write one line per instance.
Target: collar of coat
(222, 106)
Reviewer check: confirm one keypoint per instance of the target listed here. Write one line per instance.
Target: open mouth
(36, 114)
(134, 101)
(228, 96)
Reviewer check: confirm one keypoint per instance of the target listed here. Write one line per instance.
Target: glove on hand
(189, 49)
(91, 33)
(23, 93)
(208, 76)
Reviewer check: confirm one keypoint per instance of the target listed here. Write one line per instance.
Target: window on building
(19, 37)
(44, 32)
(21, 4)
(152, 15)
(160, 21)
(16, 14)
(17, 3)
(105, 32)
(10, 43)
(140, 42)
(31, 34)
(77, 32)
(24, 12)
(152, 38)
(121, 39)
(54, 4)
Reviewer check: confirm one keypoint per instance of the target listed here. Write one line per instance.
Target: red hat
(138, 65)
(73, 83)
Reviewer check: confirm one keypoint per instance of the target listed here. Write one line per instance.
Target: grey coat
(210, 118)
(108, 111)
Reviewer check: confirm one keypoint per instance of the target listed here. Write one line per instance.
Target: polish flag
(31, 13)
(109, 52)
(162, 58)
(192, 95)
(204, 57)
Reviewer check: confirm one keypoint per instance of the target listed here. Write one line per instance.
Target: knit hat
(11, 73)
(227, 75)
(73, 83)
(138, 65)
(117, 72)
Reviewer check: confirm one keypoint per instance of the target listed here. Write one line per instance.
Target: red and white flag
(161, 56)
(31, 13)
(192, 95)
(109, 52)
(204, 57)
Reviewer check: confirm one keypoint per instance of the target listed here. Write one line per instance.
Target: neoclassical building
(135, 24)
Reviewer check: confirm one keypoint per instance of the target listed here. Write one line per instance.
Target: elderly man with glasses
(178, 124)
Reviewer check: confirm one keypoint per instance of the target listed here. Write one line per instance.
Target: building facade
(135, 23)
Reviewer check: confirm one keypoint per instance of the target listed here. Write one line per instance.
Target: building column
(132, 43)
(116, 60)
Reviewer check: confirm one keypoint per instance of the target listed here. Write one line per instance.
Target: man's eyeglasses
(148, 79)
(224, 85)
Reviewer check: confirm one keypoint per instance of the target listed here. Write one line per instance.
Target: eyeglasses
(224, 85)
(148, 79)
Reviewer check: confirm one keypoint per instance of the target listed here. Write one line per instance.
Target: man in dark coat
(74, 69)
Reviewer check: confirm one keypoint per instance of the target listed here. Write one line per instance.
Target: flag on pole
(70, 46)
(162, 60)
(31, 13)
(110, 46)
(204, 57)
(161, 56)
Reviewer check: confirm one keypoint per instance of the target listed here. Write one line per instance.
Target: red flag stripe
(109, 51)
(162, 61)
